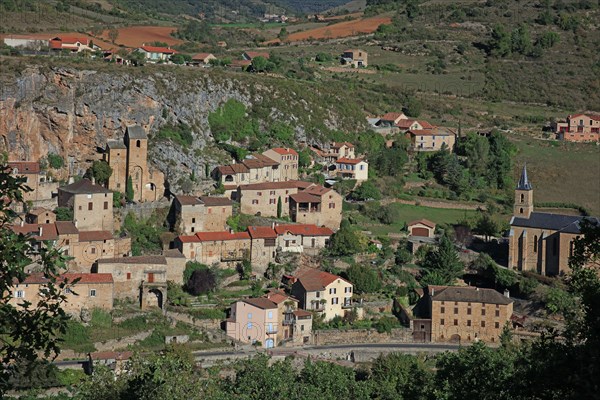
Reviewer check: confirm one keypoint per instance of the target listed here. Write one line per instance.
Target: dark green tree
(366, 191)
(100, 171)
(345, 241)
(364, 278)
(129, 194)
(279, 207)
(444, 261)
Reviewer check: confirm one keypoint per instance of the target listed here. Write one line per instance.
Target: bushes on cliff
(180, 134)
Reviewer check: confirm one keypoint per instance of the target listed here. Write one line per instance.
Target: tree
(403, 255)
(30, 331)
(190, 268)
(521, 40)
(444, 260)
(345, 241)
(401, 376)
(500, 45)
(113, 34)
(283, 34)
(63, 214)
(364, 278)
(486, 226)
(279, 207)
(412, 107)
(260, 64)
(202, 281)
(55, 161)
(100, 171)
(304, 158)
(181, 59)
(323, 57)
(245, 269)
(366, 191)
(129, 191)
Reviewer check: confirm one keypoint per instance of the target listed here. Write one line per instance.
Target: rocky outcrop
(73, 112)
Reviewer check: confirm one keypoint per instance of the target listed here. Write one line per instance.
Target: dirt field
(136, 36)
(342, 29)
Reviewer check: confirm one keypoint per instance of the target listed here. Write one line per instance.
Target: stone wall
(336, 336)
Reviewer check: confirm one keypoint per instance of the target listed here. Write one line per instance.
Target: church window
(522, 197)
(535, 244)
(521, 210)
(138, 143)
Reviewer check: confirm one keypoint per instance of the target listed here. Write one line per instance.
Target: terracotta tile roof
(259, 161)
(188, 239)
(233, 169)
(315, 280)
(222, 236)
(471, 295)
(422, 221)
(284, 151)
(405, 123)
(134, 260)
(173, 253)
(337, 145)
(201, 56)
(304, 197)
(302, 313)
(317, 190)
(186, 200)
(212, 201)
(66, 228)
(262, 232)
(276, 185)
(391, 116)
(94, 236)
(48, 231)
(349, 160)
(39, 211)
(254, 54)
(429, 132)
(71, 40)
(594, 117)
(318, 152)
(38, 278)
(84, 186)
(157, 49)
(25, 167)
(425, 124)
(303, 229)
(277, 298)
(260, 302)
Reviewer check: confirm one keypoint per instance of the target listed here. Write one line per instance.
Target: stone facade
(93, 291)
(227, 249)
(129, 159)
(317, 205)
(301, 238)
(262, 198)
(288, 162)
(92, 205)
(41, 186)
(356, 58)
(40, 216)
(579, 128)
(431, 139)
(190, 214)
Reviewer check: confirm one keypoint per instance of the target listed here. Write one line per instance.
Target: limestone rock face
(74, 112)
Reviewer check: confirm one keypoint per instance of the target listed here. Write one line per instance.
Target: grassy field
(561, 172)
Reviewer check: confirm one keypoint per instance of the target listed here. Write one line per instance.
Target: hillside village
(247, 201)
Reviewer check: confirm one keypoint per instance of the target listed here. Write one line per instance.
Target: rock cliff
(73, 111)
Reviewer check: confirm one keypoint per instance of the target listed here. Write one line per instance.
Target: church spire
(524, 183)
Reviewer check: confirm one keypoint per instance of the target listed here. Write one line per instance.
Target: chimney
(432, 292)
(93, 180)
(76, 223)
(71, 180)
(22, 223)
(507, 293)
(40, 231)
(273, 225)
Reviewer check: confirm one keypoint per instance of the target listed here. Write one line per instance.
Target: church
(539, 242)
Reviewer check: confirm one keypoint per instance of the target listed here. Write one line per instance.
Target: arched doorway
(155, 298)
(269, 343)
(455, 338)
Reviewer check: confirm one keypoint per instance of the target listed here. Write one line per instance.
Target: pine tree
(279, 207)
(129, 194)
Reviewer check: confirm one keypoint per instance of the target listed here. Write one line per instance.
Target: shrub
(190, 268)
(202, 281)
(386, 324)
(364, 278)
(55, 161)
(180, 134)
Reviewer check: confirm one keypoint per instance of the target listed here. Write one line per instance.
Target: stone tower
(115, 155)
(523, 196)
(136, 141)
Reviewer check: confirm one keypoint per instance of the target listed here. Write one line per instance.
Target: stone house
(302, 238)
(352, 168)
(317, 205)
(42, 188)
(540, 242)
(256, 168)
(40, 215)
(262, 198)
(461, 314)
(191, 214)
(288, 162)
(254, 320)
(128, 157)
(92, 204)
(431, 139)
(144, 278)
(422, 228)
(355, 57)
(579, 128)
(250, 55)
(156, 53)
(227, 249)
(263, 247)
(202, 58)
(323, 292)
(91, 291)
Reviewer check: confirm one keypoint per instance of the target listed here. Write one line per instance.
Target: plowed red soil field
(136, 36)
(342, 29)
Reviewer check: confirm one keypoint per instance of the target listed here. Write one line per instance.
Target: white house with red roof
(75, 44)
(352, 168)
(302, 238)
(156, 53)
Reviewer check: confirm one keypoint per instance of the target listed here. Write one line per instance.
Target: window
(93, 250)
(19, 294)
(334, 300)
(497, 313)
(468, 311)
(259, 193)
(90, 206)
(302, 328)
(92, 292)
(332, 290)
(138, 143)
(270, 315)
(483, 324)
(249, 315)
(522, 197)
(255, 201)
(442, 310)
(535, 244)
(442, 321)
(331, 205)
(468, 322)
(318, 294)
(455, 310)
(128, 275)
(348, 289)
(497, 325)
(106, 205)
(272, 193)
(455, 322)
(193, 220)
(249, 325)
(271, 201)
(483, 311)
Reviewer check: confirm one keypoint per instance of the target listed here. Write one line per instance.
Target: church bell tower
(523, 196)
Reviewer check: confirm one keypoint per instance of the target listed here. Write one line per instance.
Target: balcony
(271, 331)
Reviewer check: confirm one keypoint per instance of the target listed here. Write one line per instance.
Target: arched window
(521, 210)
(535, 244)
(138, 143)
(522, 195)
